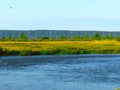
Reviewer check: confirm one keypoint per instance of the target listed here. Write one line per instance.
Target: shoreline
(65, 56)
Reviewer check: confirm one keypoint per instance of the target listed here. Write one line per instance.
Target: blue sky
(60, 14)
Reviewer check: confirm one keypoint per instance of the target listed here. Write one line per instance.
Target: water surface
(62, 72)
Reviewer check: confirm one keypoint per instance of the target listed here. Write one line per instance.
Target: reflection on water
(77, 72)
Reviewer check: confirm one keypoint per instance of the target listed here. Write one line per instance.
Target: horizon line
(95, 30)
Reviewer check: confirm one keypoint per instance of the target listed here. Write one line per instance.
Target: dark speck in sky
(11, 7)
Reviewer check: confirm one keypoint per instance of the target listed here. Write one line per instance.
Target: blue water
(74, 72)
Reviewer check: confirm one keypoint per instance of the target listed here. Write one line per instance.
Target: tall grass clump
(25, 52)
(46, 52)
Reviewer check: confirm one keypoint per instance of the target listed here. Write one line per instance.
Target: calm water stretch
(64, 72)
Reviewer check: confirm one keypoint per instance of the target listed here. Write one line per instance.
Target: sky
(60, 14)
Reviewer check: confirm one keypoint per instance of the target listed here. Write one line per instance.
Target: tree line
(96, 36)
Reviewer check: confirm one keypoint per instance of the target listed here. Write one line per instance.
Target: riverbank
(59, 47)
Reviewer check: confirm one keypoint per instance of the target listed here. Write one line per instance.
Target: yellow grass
(52, 45)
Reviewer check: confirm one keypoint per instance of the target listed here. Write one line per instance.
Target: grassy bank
(60, 47)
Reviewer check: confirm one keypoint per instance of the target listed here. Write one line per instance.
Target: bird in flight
(11, 7)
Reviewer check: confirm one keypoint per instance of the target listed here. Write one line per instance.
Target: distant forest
(57, 35)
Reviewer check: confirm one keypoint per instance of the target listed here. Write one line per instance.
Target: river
(60, 72)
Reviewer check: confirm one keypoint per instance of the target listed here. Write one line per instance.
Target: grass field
(60, 47)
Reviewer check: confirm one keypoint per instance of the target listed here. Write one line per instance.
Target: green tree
(62, 37)
(76, 37)
(16, 38)
(69, 37)
(9, 37)
(23, 36)
(86, 36)
(111, 36)
(106, 36)
(118, 38)
(96, 36)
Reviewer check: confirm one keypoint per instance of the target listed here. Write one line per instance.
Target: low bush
(25, 52)
(1, 51)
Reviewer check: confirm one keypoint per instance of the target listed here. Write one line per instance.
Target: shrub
(7, 52)
(45, 52)
(25, 52)
(1, 51)
(45, 38)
